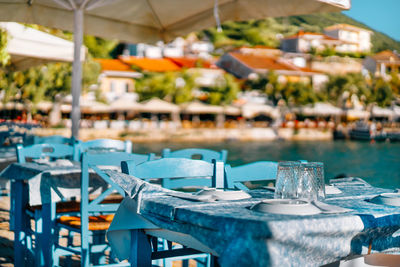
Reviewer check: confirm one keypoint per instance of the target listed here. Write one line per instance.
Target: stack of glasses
(297, 180)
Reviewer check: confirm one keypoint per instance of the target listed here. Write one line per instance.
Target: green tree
(171, 86)
(223, 92)
(4, 56)
(382, 93)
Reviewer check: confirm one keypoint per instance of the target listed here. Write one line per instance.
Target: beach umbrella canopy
(156, 105)
(29, 47)
(125, 104)
(146, 20)
(251, 110)
(321, 109)
(197, 107)
(356, 114)
(382, 112)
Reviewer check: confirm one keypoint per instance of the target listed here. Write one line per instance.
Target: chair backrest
(38, 151)
(94, 161)
(178, 172)
(53, 139)
(255, 171)
(103, 145)
(196, 153)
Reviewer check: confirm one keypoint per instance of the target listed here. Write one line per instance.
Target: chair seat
(75, 206)
(96, 223)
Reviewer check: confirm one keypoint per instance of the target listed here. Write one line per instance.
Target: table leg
(140, 255)
(19, 220)
(47, 236)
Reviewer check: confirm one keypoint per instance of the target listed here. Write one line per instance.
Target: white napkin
(332, 190)
(326, 208)
(212, 194)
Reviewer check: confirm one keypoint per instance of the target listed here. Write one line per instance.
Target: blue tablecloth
(243, 237)
(51, 181)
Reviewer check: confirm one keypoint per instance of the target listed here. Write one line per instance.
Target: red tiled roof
(113, 65)
(151, 64)
(345, 26)
(386, 55)
(267, 63)
(261, 62)
(190, 62)
(299, 34)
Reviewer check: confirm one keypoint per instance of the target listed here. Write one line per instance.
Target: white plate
(286, 206)
(391, 199)
(219, 194)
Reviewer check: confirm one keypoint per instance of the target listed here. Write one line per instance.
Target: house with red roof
(382, 63)
(150, 64)
(245, 66)
(304, 42)
(355, 39)
(117, 78)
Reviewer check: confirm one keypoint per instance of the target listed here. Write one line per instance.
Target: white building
(355, 39)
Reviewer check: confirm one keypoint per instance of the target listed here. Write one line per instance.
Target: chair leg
(39, 257)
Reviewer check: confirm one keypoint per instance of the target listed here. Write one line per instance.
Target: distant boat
(363, 131)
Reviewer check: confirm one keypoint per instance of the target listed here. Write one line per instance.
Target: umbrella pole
(77, 71)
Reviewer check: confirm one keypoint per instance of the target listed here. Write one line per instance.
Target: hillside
(265, 32)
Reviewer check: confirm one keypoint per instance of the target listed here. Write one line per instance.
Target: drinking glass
(286, 179)
(320, 179)
(310, 184)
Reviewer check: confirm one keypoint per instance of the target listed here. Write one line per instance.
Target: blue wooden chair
(101, 145)
(43, 151)
(96, 212)
(53, 139)
(38, 151)
(255, 171)
(196, 153)
(176, 168)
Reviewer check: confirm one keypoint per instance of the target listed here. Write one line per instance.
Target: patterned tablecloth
(51, 181)
(243, 237)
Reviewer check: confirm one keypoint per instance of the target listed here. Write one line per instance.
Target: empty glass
(286, 179)
(320, 179)
(310, 184)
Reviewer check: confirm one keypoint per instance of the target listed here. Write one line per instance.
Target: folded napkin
(326, 208)
(192, 197)
(332, 190)
(56, 163)
(212, 194)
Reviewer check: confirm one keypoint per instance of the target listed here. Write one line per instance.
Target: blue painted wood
(109, 145)
(255, 171)
(53, 139)
(174, 173)
(140, 255)
(91, 207)
(196, 153)
(177, 172)
(19, 199)
(38, 151)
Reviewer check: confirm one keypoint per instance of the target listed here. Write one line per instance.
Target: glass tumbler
(286, 180)
(310, 184)
(320, 179)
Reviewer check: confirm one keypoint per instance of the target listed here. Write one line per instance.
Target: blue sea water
(377, 163)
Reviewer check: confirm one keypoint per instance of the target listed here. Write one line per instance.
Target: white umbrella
(197, 107)
(156, 105)
(146, 20)
(321, 109)
(355, 114)
(251, 110)
(29, 47)
(382, 112)
(125, 104)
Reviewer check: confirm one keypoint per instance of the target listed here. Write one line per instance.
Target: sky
(381, 15)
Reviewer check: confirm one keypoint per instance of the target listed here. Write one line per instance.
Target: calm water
(378, 164)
